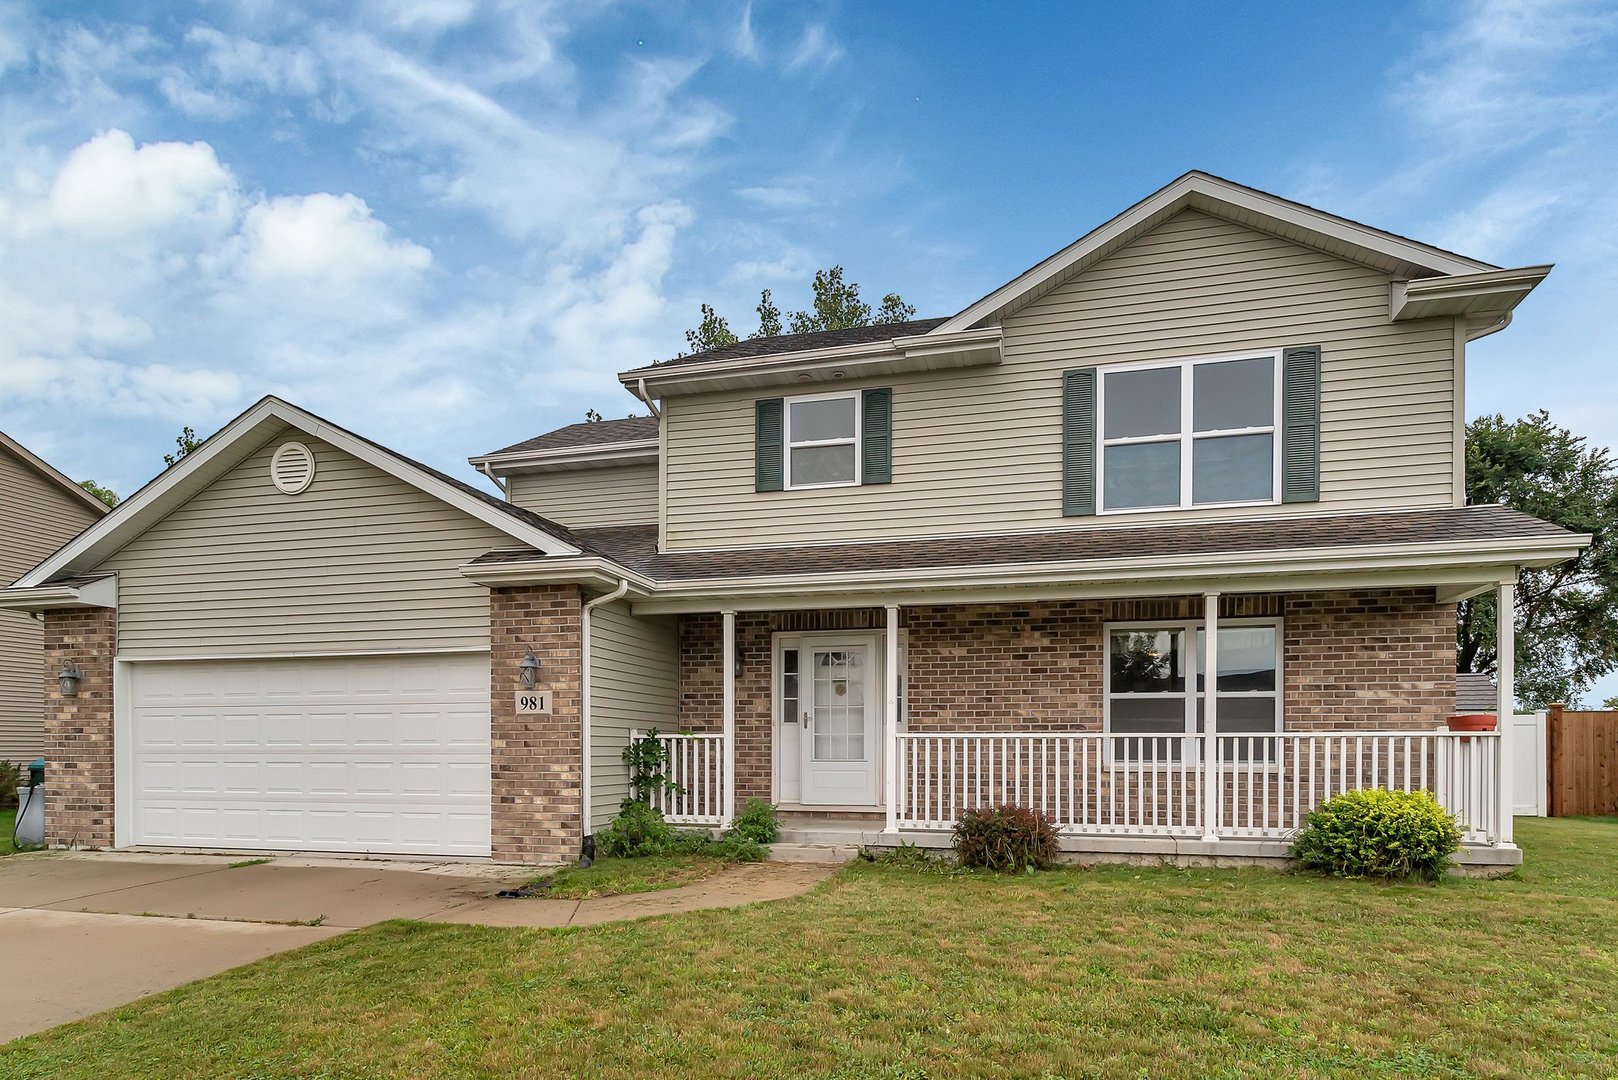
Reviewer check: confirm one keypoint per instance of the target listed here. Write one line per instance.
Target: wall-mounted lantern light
(69, 678)
(528, 670)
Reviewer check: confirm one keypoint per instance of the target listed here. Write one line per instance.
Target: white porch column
(890, 757)
(1505, 638)
(1210, 713)
(729, 715)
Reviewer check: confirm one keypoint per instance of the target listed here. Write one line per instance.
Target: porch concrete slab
(735, 887)
(345, 897)
(70, 965)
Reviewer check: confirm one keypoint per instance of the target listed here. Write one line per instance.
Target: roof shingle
(789, 343)
(588, 433)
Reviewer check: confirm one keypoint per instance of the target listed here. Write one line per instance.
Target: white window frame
(857, 442)
(1191, 627)
(1186, 437)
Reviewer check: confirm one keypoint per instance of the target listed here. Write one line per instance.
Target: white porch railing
(1149, 785)
(696, 763)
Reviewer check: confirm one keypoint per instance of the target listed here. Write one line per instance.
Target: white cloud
(816, 51)
(110, 189)
(744, 42)
(332, 242)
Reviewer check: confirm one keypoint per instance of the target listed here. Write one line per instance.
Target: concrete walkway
(88, 932)
(744, 884)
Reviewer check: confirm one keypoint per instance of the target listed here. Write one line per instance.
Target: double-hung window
(823, 440)
(1156, 688)
(1190, 433)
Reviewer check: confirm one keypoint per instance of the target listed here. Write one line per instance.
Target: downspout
(504, 490)
(640, 393)
(587, 852)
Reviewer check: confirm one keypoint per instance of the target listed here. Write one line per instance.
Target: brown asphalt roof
(634, 546)
(589, 433)
(823, 339)
(1475, 692)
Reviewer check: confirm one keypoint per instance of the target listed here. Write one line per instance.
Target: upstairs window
(1189, 433)
(823, 440)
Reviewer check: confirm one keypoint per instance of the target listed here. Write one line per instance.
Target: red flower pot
(1473, 722)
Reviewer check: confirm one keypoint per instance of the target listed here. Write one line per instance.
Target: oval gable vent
(292, 469)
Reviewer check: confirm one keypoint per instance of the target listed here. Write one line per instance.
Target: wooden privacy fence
(1583, 750)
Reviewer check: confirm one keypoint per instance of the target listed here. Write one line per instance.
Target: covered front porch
(879, 725)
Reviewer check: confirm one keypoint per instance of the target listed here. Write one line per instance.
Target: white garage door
(360, 754)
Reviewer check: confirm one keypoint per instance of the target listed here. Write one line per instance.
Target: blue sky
(447, 224)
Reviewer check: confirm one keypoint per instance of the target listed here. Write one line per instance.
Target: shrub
(647, 759)
(737, 849)
(1005, 838)
(638, 829)
(757, 822)
(1378, 833)
(12, 777)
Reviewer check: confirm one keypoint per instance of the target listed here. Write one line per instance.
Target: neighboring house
(1476, 692)
(40, 510)
(884, 573)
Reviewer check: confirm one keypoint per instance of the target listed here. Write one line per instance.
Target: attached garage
(277, 648)
(381, 754)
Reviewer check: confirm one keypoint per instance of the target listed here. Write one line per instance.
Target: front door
(841, 723)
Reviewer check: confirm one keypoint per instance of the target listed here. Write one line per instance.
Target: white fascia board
(892, 355)
(1492, 293)
(52, 473)
(1470, 578)
(1211, 189)
(569, 571)
(102, 593)
(222, 452)
(571, 457)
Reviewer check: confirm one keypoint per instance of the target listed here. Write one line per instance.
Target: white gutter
(645, 399)
(584, 706)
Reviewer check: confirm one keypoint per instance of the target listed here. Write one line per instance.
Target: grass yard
(8, 821)
(615, 877)
(893, 972)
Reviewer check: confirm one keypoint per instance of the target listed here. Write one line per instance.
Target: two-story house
(875, 576)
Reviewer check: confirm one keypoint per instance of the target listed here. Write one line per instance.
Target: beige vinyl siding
(634, 684)
(980, 450)
(36, 518)
(582, 498)
(360, 561)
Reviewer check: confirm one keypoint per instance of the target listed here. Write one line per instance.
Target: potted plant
(1473, 722)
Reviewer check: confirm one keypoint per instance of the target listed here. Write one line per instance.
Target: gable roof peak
(1398, 255)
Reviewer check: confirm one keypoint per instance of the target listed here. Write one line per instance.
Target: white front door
(841, 723)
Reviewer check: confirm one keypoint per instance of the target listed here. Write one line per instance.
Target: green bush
(638, 829)
(12, 776)
(757, 822)
(1005, 838)
(1379, 834)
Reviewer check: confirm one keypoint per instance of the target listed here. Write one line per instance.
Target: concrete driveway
(90, 932)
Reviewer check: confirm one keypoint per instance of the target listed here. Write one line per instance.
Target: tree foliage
(836, 306)
(185, 442)
(106, 495)
(1567, 615)
(711, 333)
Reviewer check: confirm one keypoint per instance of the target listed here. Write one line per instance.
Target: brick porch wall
(1365, 658)
(78, 730)
(535, 775)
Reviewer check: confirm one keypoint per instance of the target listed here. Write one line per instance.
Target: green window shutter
(1079, 442)
(876, 436)
(767, 445)
(1300, 423)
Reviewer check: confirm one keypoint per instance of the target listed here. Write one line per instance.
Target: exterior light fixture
(528, 670)
(69, 677)
(738, 664)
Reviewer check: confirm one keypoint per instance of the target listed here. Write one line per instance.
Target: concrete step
(791, 852)
(834, 835)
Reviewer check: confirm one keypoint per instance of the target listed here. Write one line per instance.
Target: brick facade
(536, 780)
(1373, 659)
(78, 729)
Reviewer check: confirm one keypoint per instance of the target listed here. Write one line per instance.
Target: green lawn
(615, 877)
(892, 972)
(8, 819)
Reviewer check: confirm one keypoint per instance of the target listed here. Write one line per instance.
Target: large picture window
(823, 440)
(1157, 685)
(1189, 433)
